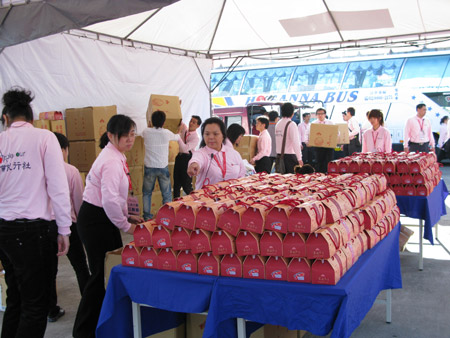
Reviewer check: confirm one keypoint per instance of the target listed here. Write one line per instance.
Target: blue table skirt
(315, 308)
(429, 208)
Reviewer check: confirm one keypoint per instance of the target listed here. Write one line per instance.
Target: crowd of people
(53, 205)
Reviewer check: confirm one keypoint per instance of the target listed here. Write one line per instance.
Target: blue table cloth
(315, 308)
(429, 208)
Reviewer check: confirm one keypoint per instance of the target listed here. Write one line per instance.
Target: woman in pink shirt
(103, 213)
(34, 193)
(214, 162)
(262, 158)
(377, 138)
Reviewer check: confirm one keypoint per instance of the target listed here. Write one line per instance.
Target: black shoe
(59, 314)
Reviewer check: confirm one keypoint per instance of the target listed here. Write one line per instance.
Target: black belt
(22, 220)
(419, 144)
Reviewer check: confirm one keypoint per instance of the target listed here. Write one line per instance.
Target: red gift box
(181, 239)
(222, 243)
(333, 167)
(324, 242)
(231, 266)
(142, 234)
(253, 219)
(230, 220)
(370, 216)
(389, 167)
(278, 217)
(254, 267)
(276, 268)
(167, 260)
(327, 271)
(186, 214)
(356, 220)
(333, 209)
(161, 237)
(363, 240)
(299, 270)
(148, 258)
(271, 244)
(307, 217)
(294, 245)
(167, 213)
(247, 243)
(209, 214)
(200, 241)
(130, 255)
(187, 261)
(208, 264)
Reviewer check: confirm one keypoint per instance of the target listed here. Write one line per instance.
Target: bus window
(229, 86)
(371, 74)
(270, 80)
(317, 77)
(233, 119)
(424, 72)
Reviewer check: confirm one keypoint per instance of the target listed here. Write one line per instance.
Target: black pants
(290, 161)
(307, 154)
(417, 147)
(264, 165)
(98, 235)
(77, 259)
(323, 157)
(180, 177)
(353, 147)
(27, 251)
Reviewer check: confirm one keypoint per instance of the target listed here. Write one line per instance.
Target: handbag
(279, 161)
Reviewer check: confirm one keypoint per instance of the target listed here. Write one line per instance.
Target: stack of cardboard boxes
(51, 120)
(85, 126)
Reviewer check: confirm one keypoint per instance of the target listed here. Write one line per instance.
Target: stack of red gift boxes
(408, 174)
(308, 229)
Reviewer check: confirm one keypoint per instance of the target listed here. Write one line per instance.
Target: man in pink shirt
(354, 132)
(188, 141)
(292, 150)
(418, 133)
(262, 158)
(303, 130)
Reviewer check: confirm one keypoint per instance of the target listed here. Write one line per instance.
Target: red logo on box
(208, 269)
(130, 260)
(277, 274)
(186, 267)
(253, 272)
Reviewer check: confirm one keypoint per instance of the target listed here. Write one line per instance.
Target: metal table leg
(137, 328)
(241, 328)
(420, 244)
(389, 306)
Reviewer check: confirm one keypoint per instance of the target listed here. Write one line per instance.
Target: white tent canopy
(231, 28)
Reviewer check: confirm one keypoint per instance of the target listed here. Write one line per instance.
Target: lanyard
(186, 136)
(224, 167)
(127, 172)
(374, 139)
(421, 123)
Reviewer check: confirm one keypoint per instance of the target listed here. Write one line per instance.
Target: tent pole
(332, 19)
(217, 26)
(143, 22)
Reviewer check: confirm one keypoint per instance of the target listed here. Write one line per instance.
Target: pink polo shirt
(292, 138)
(303, 130)
(33, 182)
(75, 188)
(418, 131)
(188, 141)
(264, 145)
(211, 167)
(107, 186)
(378, 141)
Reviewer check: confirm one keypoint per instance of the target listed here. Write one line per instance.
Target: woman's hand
(135, 219)
(131, 229)
(63, 245)
(193, 169)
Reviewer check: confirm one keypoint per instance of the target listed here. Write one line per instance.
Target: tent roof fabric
(231, 28)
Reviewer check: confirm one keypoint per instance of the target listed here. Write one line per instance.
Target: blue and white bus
(395, 84)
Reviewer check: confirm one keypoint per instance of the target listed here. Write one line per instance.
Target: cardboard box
(58, 126)
(3, 288)
(343, 134)
(323, 135)
(276, 331)
(51, 115)
(137, 179)
(174, 149)
(195, 325)
(187, 261)
(136, 155)
(42, 124)
(88, 123)
(157, 202)
(178, 332)
(168, 104)
(112, 258)
(248, 147)
(83, 154)
(83, 175)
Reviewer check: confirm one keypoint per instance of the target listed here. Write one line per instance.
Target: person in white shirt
(443, 137)
(303, 130)
(354, 132)
(188, 142)
(418, 134)
(156, 161)
(273, 119)
(323, 155)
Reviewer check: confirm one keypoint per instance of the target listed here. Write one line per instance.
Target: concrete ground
(420, 309)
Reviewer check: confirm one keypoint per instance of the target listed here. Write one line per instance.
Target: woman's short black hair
(63, 141)
(287, 109)
(445, 118)
(158, 119)
(16, 103)
(376, 113)
(219, 122)
(234, 131)
(264, 120)
(118, 125)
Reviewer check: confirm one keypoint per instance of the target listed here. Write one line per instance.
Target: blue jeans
(150, 176)
(27, 251)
